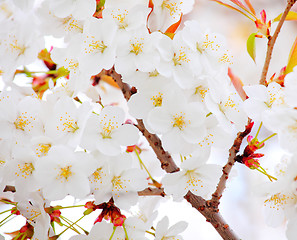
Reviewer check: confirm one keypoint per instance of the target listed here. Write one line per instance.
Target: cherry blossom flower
(98, 46)
(35, 214)
(262, 99)
(79, 9)
(136, 51)
(66, 123)
(19, 119)
(20, 170)
(208, 45)
(290, 89)
(168, 12)
(196, 176)
(106, 134)
(151, 95)
(66, 27)
(63, 172)
(228, 109)
(120, 182)
(19, 46)
(163, 231)
(101, 231)
(178, 60)
(128, 15)
(179, 123)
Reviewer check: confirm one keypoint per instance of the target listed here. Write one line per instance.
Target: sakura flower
(210, 46)
(19, 46)
(20, 169)
(163, 231)
(35, 214)
(79, 9)
(136, 51)
(216, 136)
(58, 27)
(228, 109)
(127, 15)
(19, 119)
(290, 89)
(122, 182)
(66, 122)
(196, 176)
(106, 134)
(151, 95)
(281, 197)
(98, 46)
(63, 172)
(102, 231)
(284, 123)
(168, 12)
(67, 57)
(179, 123)
(262, 99)
(178, 60)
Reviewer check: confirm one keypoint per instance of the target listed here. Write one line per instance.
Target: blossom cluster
(57, 138)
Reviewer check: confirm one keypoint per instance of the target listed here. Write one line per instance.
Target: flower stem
(260, 143)
(24, 236)
(5, 219)
(69, 226)
(70, 222)
(72, 225)
(60, 207)
(5, 211)
(142, 164)
(114, 228)
(258, 130)
(126, 234)
(150, 233)
(2, 222)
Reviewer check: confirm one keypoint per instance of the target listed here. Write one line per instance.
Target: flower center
(23, 121)
(65, 173)
(94, 45)
(117, 184)
(16, 47)
(154, 74)
(42, 149)
(107, 128)
(278, 201)
(25, 169)
(120, 18)
(172, 7)
(201, 91)
(181, 57)
(157, 100)
(225, 59)
(193, 180)
(136, 47)
(97, 176)
(179, 121)
(68, 124)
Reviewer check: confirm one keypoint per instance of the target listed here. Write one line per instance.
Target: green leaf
(290, 17)
(251, 46)
(292, 62)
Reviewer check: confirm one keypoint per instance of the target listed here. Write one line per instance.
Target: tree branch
(215, 201)
(212, 216)
(271, 42)
(152, 192)
(165, 158)
(207, 208)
